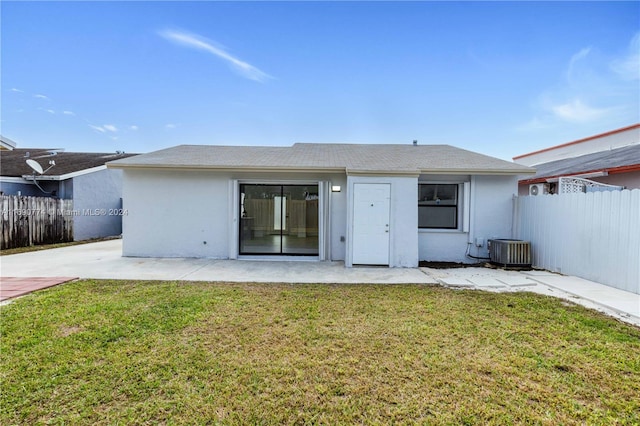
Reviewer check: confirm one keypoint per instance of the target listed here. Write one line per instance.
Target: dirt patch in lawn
(451, 265)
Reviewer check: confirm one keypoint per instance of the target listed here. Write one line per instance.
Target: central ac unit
(539, 189)
(510, 253)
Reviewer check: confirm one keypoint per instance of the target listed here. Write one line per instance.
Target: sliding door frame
(235, 213)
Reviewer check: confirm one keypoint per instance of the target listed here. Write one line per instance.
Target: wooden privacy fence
(28, 221)
(595, 235)
(301, 216)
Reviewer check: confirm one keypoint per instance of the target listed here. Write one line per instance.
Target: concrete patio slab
(456, 282)
(517, 281)
(304, 272)
(481, 278)
(103, 260)
(490, 282)
(537, 273)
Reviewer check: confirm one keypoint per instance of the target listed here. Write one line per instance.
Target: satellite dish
(35, 166)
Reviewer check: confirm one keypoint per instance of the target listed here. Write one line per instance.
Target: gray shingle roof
(597, 161)
(327, 157)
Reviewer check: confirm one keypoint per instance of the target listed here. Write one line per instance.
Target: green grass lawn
(118, 352)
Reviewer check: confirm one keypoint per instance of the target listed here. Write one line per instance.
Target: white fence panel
(595, 235)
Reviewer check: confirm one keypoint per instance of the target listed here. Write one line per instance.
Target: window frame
(459, 200)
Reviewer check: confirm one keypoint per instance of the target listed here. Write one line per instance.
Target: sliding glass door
(279, 219)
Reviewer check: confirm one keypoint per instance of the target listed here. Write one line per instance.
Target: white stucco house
(389, 205)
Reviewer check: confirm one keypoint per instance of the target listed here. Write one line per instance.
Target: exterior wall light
(335, 188)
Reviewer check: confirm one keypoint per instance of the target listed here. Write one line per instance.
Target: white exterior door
(371, 223)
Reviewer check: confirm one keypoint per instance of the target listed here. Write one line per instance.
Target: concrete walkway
(103, 260)
(620, 304)
(19, 286)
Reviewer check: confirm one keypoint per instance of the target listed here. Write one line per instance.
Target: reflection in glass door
(279, 219)
(279, 212)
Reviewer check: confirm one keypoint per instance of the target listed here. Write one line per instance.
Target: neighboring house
(6, 144)
(362, 204)
(611, 158)
(80, 176)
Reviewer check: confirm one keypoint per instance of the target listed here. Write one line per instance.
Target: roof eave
(15, 179)
(66, 175)
(195, 167)
(374, 172)
(600, 135)
(504, 172)
(348, 171)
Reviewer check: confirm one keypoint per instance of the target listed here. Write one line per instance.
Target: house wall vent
(510, 253)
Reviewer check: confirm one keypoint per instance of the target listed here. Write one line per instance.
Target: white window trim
(464, 211)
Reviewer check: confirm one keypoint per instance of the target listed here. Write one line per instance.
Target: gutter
(359, 172)
(525, 171)
(348, 171)
(65, 176)
(12, 179)
(194, 167)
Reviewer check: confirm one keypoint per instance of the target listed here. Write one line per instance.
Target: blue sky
(499, 78)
